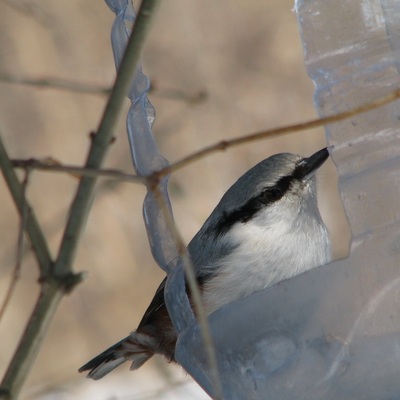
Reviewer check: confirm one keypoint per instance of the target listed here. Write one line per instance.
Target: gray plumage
(266, 228)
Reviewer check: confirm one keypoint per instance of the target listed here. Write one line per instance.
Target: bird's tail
(137, 347)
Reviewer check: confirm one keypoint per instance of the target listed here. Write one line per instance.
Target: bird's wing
(156, 304)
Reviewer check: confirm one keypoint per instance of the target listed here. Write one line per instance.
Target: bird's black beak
(308, 166)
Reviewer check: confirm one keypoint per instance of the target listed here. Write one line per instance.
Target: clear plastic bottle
(352, 53)
(334, 332)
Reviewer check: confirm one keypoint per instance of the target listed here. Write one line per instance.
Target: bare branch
(20, 249)
(55, 166)
(225, 144)
(36, 236)
(197, 97)
(62, 278)
(21, 363)
(56, 83)
(84, 196)
(195, 295)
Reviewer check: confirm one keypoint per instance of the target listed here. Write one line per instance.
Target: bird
(266, 228)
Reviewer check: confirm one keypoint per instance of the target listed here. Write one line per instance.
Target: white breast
(264, 257)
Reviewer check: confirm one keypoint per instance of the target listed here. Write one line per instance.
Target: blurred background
(219, 69)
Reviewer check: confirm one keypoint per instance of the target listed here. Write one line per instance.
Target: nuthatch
(266, 228)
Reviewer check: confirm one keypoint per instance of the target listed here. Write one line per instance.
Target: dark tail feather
(136, 348)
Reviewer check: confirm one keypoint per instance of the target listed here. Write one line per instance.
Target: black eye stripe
(268, 196)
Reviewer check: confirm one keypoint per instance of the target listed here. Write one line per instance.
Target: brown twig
(56, 83)
(225, 144)
(195, 294)
(36, 236)
(62, 278)
(20, 249)
(76, 171)
(220, 146)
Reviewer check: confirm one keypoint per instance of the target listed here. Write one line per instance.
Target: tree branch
(101, 141)
(225, 144)
(32, 227)
(56, 83)
(77, 172)
(20, 250)
(62, 278)
(198, 155)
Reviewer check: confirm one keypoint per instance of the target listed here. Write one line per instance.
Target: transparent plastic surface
(145, 156)
(334, 332)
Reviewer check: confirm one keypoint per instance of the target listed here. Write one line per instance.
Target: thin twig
(179, 95)
(220, 146)
(50, 295)
(54, 289)
(225, 144)
(20, 249)
(195, 295)
(75, 171)
(56, 83)
(84, 88)
(84, 196)
(36, 236)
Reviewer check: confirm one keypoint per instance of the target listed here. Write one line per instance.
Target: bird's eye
(269, 195)
(276, 194)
